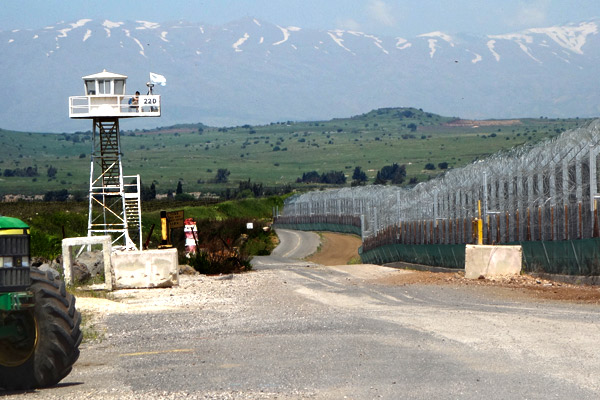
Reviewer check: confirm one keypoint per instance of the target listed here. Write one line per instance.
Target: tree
(429, 166)
(359, 175)
(222, 175)
(147, 193)
(443, 165)
(179, 189)
(333, 178)
(56, 195)
(379, 180)
(51, 172)
(309, 177)
(249, 189)
(394, 173)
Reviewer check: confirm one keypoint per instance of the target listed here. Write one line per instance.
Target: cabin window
(90, 88)
(119, 86)
(104, 87)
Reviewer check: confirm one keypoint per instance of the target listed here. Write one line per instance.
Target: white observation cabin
(105, 97)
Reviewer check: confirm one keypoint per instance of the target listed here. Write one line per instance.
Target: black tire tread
(58, 340)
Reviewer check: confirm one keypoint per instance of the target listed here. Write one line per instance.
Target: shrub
(227, 246)
(222, 175)
(45, 245)
(218, 263)
(56, 195)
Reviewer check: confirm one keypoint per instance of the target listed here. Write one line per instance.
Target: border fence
(543, 197)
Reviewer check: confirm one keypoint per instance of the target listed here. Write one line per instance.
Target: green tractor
(39, 325)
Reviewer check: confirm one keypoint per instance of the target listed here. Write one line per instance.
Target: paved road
(293, 330)
(296, 244)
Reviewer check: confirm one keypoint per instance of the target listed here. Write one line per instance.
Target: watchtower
(114, 199)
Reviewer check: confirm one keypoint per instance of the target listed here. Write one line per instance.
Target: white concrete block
(67, 245)
(145, 269)
(492, 261)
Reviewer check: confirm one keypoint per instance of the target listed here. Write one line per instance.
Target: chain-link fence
(546, 192)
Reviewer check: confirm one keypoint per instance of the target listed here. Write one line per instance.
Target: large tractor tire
(51, 337)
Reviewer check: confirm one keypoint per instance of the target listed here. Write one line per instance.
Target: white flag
(158, 79)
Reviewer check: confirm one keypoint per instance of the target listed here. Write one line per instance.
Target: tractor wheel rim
(16, 351)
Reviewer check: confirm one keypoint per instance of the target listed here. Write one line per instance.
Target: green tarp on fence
(564, 257)
(444, 255)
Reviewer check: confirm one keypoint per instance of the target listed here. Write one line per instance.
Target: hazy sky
(383, 17)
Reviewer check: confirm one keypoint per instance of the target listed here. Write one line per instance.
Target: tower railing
(114, 106)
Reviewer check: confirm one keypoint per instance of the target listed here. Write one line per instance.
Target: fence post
(580, 223)
(375, 222)
(479, 224)
(517, 225)
(362, 227)
(552, 223)
(528, 225)
(593, 185)
(596, 232)
(498, 239)
(507, 223)
(541, 229)
(566, 222)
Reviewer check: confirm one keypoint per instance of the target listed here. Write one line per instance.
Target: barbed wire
(549, 177)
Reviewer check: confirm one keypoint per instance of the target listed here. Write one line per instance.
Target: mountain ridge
(252, 71)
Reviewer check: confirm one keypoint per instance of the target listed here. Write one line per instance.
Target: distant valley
(275, 154)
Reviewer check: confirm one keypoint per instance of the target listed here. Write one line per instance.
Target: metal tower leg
(107, 201)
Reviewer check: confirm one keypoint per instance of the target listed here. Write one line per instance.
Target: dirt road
(297, 330)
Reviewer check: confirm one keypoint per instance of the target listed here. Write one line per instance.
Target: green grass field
(274, 154)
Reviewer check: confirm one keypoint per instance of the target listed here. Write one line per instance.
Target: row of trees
(21, 172)
(28, 172)
(394, 174)
(331, 177)
(431, 166)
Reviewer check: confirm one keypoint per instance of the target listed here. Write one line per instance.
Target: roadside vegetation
(50, 222)
(227, 246)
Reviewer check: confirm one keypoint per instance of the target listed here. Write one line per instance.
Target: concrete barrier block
(492, 261)
(69, 243)
(145, 269)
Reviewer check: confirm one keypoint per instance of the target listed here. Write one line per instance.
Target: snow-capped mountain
(251, 71)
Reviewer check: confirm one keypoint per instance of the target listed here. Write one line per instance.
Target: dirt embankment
(336, 249)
